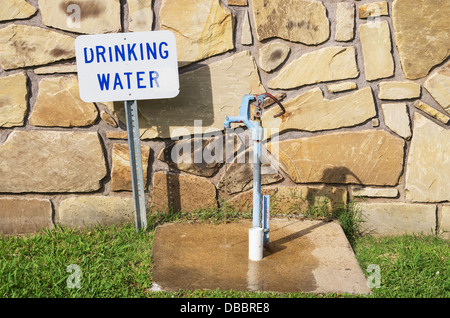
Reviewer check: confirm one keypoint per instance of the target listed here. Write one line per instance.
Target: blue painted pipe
(257, 135)
(257, 184)
(266, 219)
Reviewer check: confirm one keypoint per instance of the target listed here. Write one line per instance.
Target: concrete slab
(304, 256)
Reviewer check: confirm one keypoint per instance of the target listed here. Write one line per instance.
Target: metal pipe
(266, 219)
(259, 233)
(137, 177)
(257, 184)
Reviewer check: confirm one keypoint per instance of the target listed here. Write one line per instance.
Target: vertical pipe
(256, 233)
(257, 184)
(255, 244)
(266, 219)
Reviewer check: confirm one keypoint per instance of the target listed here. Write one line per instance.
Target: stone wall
(366, 85)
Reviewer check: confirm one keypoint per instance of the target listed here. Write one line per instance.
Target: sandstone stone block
(107, 118)
(207, 95)
(24, 45)
(310, 111)
(109, 106)
(293, 199)
(342, 87)
(369, 157)
(199, 156)
(391, 219)
(116, 135)
(140, 15)
(16, 9)
(238, 176)
(20, 215)
(55, 69)
(370, 192)
(373, 9)
(421, 34)
(377, 50)
(323, 65)
(51, 161)
(397, 119)
(13, 100)
(204, 28)
(444, 222)
(443, 118)
(294, 20)
(438, 85)
(84, 211)
(59, 104)
(345, 21)
(427, 173)
(399, 90)
(82, 16)
(179, 192)
(246, 37)
(272, 55)
(121, 171)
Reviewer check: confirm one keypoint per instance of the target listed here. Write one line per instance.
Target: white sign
(127, 66)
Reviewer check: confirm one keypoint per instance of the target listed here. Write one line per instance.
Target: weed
(349, 217)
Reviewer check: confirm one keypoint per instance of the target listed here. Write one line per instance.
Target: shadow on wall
(175, 118)
(340, 175)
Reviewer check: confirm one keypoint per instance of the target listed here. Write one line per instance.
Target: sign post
(137, 176)
(129, 67)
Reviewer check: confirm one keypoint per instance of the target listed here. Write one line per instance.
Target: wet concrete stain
(207, 256)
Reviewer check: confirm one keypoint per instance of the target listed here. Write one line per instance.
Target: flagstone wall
(366, 86)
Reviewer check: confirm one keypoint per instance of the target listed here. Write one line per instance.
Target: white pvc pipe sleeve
(255, 243)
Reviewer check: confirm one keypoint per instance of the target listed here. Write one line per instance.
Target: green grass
(115, 262)
(410, 266)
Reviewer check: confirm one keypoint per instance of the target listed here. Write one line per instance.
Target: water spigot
(245, 115)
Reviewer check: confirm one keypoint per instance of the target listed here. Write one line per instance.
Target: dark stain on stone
(276, 55)
(57, 52)
(91, 8)
(302, 24)
(22, 46)
(4, 101)
(310, 26)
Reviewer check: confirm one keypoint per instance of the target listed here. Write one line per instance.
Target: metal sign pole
(137, 177)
